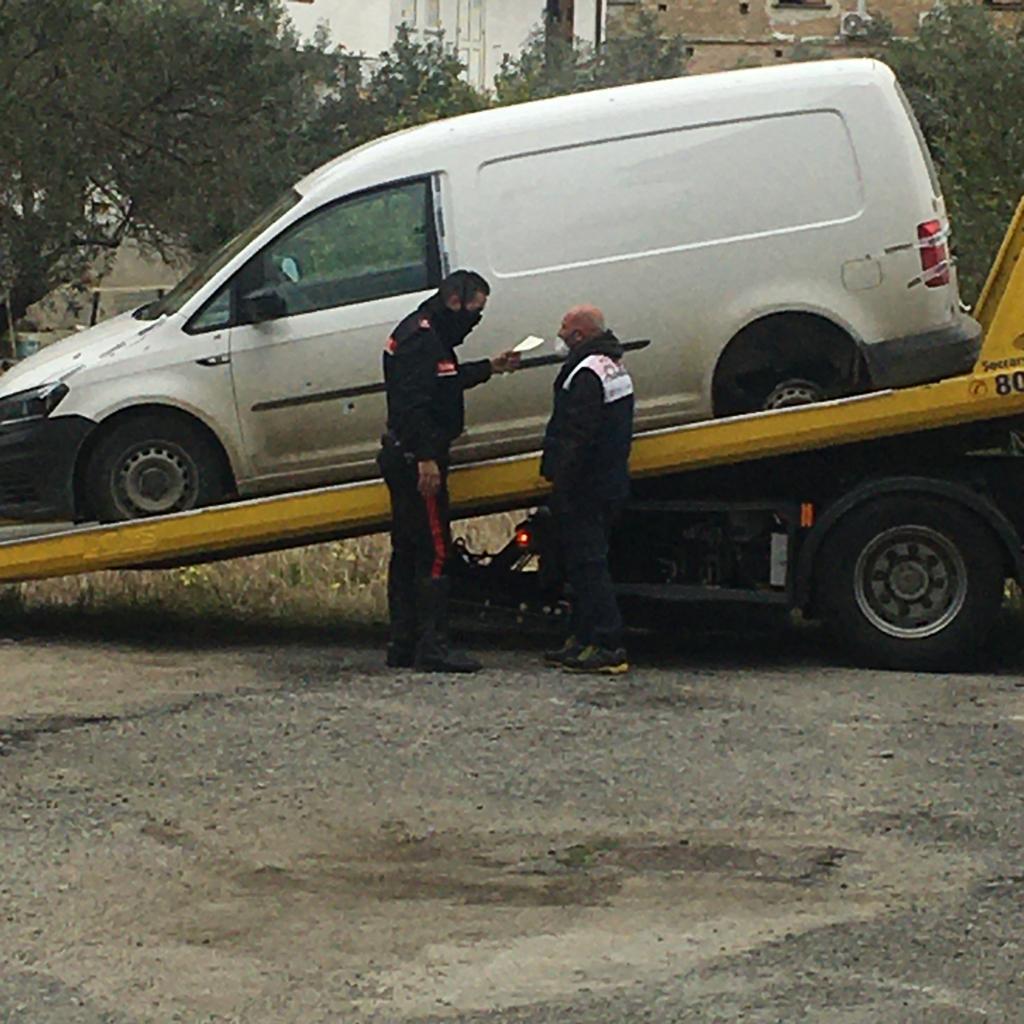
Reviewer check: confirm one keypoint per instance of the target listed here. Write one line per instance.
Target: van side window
(372, 246)
(215, 314)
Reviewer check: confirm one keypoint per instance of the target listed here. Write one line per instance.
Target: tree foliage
(166, 121)
(553, 66)
(965, 79)
(415, 82)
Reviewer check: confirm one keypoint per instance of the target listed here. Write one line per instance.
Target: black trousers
(420, 539)
(584, 528)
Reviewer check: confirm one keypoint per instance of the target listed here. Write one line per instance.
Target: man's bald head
(581, 324)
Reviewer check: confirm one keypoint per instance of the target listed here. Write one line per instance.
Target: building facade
(724, 34)
(482, 31)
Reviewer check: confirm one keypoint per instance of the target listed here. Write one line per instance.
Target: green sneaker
(571, 648)
(599, 661)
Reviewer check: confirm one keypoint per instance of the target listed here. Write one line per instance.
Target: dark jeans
(584, 528)
(420, 539)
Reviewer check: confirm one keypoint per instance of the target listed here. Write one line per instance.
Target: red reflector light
(931, 238)
(523, 538)
(806, 515)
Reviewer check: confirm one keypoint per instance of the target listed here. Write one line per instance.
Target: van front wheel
(153, 465)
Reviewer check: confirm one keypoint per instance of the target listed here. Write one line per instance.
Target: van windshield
(196, 278)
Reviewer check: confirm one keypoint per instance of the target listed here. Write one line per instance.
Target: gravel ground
(220, 825)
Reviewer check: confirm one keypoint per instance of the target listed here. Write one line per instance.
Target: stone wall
(726, 34)
(133, 278)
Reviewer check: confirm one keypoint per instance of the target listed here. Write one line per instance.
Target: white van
(778, 234)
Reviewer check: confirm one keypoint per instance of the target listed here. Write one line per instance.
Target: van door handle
(214, 360)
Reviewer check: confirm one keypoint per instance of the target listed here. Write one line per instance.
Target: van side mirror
(256, 307)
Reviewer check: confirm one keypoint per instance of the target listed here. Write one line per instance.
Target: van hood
(63, 359)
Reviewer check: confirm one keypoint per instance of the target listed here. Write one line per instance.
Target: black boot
(402, 614)
(400, 655)
(432, 651)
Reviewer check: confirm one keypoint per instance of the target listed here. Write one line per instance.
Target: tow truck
(896, 516)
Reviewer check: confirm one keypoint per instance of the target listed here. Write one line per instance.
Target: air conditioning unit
(854, 25)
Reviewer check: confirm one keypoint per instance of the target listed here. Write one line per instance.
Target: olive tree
(164, 121)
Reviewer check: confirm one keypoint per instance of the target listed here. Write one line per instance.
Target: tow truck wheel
(153, 465)
(911, 583)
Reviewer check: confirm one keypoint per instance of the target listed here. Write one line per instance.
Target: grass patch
(314, 586)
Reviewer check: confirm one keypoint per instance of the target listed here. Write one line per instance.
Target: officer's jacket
(425, 382)
(587, 440)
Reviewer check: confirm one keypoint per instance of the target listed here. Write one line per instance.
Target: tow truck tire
(153, 464)
(911, 583)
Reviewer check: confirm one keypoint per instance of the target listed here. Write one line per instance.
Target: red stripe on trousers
(440, 554)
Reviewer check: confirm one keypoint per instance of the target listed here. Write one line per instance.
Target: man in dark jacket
(586, 458)
(426, 413)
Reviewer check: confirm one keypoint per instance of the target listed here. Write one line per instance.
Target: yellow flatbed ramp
(994, 390)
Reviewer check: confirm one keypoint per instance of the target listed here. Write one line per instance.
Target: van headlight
(34, 404)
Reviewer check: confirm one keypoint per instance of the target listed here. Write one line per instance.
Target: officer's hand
(506, 362)
(430, 478)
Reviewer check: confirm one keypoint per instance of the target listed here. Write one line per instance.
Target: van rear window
(670, 190)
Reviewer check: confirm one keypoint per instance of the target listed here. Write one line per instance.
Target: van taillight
(934, 253)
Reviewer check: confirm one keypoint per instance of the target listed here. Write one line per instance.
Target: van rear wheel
(153, 465)
(792, 392)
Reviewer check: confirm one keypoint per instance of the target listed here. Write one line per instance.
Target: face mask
(459, 322)
(468, 319)
(561, 349)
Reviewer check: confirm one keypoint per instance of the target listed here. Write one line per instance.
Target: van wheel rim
(156, 479)
(910, 582)
(792, 393)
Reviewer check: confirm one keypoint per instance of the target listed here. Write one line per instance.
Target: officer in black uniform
(586, 458)
(426, 413)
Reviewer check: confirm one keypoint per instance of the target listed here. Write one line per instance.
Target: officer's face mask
(459, 322)
(466, 320)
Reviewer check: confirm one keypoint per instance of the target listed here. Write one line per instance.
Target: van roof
(754, 91)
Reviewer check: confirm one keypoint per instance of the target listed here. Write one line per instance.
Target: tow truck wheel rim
(910, 582)
(155, 479)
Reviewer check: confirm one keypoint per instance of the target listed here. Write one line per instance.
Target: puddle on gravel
(402, 922)
(468, 884)
(583, 874)
(797, 865)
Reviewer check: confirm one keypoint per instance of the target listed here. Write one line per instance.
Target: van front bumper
(37, 466)
(923, 358)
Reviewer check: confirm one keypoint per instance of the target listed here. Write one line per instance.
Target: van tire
(798, 352)
(153, 464)
(911, 583)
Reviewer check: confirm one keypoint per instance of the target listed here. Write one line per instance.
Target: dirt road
(274, 829)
